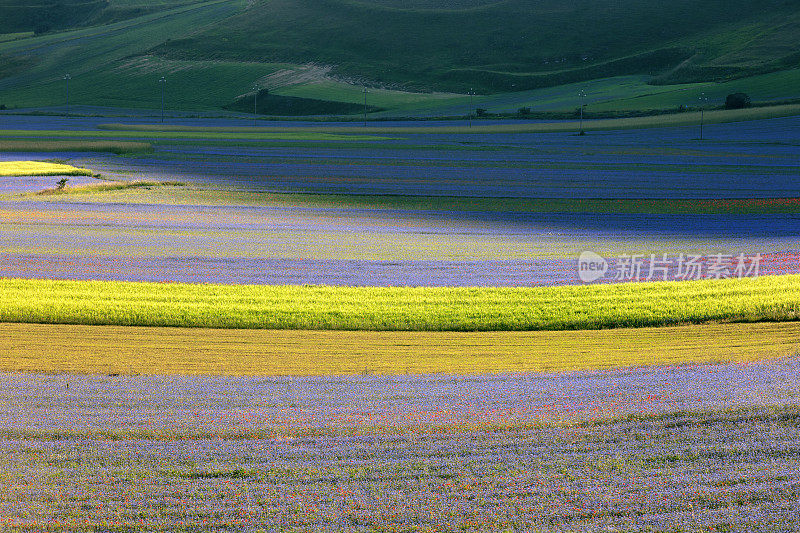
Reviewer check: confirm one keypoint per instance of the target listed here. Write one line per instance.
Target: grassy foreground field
(167, 351)
(771, 298)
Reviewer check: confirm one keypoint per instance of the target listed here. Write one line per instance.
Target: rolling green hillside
(41, 16)
(109, 66)
(508, 45)
(418, 57)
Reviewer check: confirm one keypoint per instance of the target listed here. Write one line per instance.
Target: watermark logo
(663, 267)
(591, 267)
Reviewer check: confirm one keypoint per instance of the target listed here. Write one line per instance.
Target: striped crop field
(194, 195)
(251, 134)
(40, 168)
(120, 350)
(311, 307)
(50, 145)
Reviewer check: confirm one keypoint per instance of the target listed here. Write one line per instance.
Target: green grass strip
(107, 187)
(37, 145)
(657, 121)
(732, 206)
(197, 196)
(253, 134)
(770, 298)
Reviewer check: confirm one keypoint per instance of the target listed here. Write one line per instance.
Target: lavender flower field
(741, 160)
(653, 449)
(684, 447)
(376, 247)
(738, 160)
(219, 227)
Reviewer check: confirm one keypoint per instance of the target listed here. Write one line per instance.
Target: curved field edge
(119, 350)
(40, 168)
(764, 299)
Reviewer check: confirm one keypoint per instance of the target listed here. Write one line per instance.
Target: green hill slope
(42, 16)
(507, 45)
(109, 65)
(315, 56)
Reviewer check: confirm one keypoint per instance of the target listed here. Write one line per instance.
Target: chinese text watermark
(664, 267)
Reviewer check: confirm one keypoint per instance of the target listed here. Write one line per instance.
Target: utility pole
(582, 95)
(255, 104)
(163, 82)
(469, 115)
(703, 101)
(365, 106)
(67, 77)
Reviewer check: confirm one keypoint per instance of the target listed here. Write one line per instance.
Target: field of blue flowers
(678, 448)
(686, 448)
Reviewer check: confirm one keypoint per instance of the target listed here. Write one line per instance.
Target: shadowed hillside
(508, 45)
(41, 16)
(416, 57)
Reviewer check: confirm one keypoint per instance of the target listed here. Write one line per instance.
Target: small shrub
(737, 101)
(60, 184)
(524, 111)
(481, 112)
